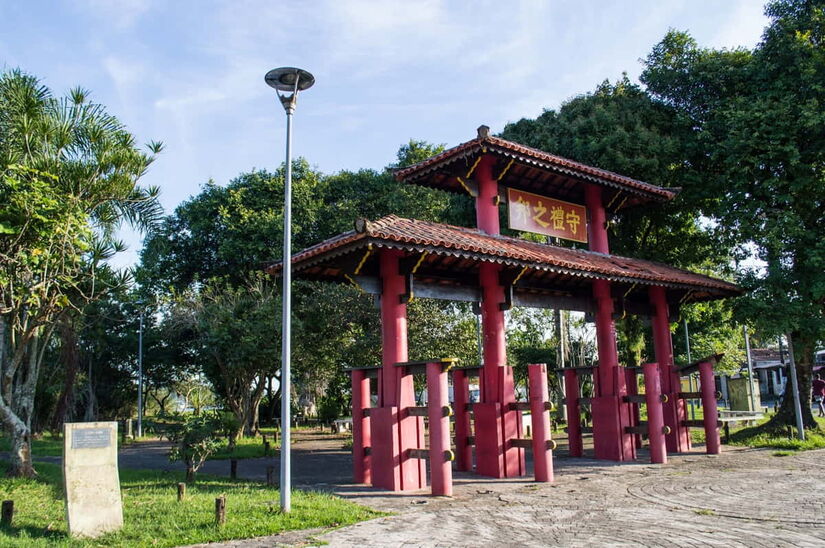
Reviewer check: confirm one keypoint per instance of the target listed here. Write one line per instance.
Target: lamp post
(140, 377)
(287, 81)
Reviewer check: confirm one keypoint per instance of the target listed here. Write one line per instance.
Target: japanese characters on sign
(542, 215)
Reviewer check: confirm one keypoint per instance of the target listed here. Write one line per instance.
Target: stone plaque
(90, 476)
(91, 438)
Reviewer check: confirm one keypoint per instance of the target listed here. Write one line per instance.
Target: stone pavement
(740, 498)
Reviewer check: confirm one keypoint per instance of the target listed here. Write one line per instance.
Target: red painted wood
(655, 415)
(540, 417)
(489, 440)
(385, 452)
(461, 397)
(393, 328)
(487, 215)
(710, 412)
(574, 432)
(632, 382)
(597, 224)
(678, 440)
(360, 427)
(441, 469)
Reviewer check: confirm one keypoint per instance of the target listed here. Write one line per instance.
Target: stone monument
(90, 476)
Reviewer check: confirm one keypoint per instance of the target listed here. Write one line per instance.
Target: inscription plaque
(91, 438)
(90, 475)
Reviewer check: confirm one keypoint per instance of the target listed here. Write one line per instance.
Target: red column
(441, 470)
(597, 227)
(540, 416)
(495, 422)
(393, 430)
(360, 427)
(487, 218)
(633, 390)
(393, 330)
(574, 427)
(678, 440)
(461, 397)
(655, 420)
(709, 411)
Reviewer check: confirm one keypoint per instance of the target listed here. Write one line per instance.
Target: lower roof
(449, 255)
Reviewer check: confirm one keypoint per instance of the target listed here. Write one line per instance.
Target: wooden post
(461, 397)
(233, 469)
(707, 384)
(270, 475)
(7, 513)
(540, 417)
(574, 431)
(266, 448)
(220, 510)
(361, 433)
(438, 406)
(655, 413)
(181, 491)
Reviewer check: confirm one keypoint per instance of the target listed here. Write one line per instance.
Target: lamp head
(289, 79)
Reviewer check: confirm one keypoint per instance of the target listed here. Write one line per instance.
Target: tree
(755, 162)
(619, 127)
(233, 342)
(69, 178)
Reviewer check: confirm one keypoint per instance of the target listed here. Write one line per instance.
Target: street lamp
(140, 375)
(287, 81)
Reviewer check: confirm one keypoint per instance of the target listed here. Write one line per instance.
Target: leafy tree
(233, 342)
(619, 127)
(69, 174)
(755, 163)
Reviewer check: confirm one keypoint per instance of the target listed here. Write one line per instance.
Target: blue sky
(190, 73)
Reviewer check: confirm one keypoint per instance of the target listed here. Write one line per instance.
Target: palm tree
(70, 175)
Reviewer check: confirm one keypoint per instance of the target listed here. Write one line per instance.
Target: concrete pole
(690, 376)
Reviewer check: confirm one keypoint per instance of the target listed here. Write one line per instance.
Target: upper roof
(532, 170)
(453, 252)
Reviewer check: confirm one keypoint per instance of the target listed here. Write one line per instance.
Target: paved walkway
(740, 498)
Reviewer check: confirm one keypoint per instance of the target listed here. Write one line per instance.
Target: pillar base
(610, 417)
(494, 427)
(392, 437)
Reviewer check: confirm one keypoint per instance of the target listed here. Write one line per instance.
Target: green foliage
(194, 441)
(754, 160)
(153, 517)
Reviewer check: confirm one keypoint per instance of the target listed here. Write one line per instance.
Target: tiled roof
(410, 234)
(535, 158)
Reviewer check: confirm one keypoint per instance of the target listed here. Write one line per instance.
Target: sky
(190, 73)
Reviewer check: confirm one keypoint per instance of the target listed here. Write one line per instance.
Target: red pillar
(610, 413)
(360, 427)
(540, 416)
(487, 218)
(441, 469)
(495, 422)
(393, 430)
(709, 411)
(655, 420)
(678, 440)
(632, 382)
(461, 397)
(574, 427)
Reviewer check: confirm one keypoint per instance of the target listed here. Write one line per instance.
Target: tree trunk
(190, 473)
(786, 415)
(70, 358)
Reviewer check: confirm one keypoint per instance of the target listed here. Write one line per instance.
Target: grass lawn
(153, 517)
(245, 448)
(48, 446)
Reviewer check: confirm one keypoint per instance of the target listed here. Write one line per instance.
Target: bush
(195, 440)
